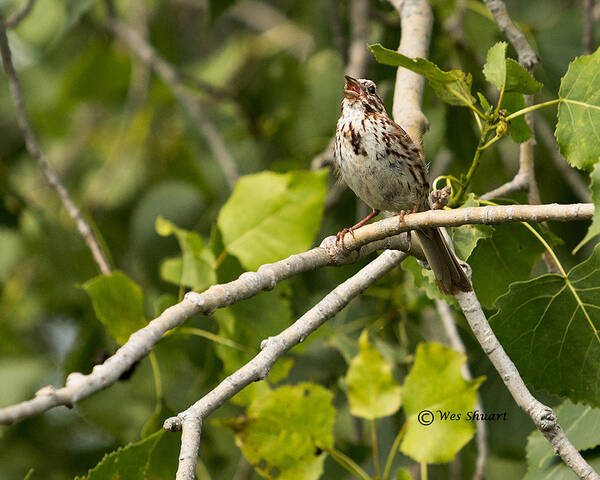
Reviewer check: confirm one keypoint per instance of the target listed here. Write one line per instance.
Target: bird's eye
(371, 89)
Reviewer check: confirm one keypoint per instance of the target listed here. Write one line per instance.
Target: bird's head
(362, 93)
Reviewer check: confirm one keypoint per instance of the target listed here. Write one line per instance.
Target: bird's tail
(449, 275)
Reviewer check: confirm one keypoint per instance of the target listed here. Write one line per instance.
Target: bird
(385, 168)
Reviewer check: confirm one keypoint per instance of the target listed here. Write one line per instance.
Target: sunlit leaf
(284, 433)
(506, 73)
(195, 268)
(270, 216)
(454, 87)
(577, 130)
(372, 391)
(118, 303)
(519, 130)
(435, 384)
(549, 328)
(495, 67)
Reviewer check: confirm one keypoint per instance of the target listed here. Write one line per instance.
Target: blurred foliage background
(269, 77)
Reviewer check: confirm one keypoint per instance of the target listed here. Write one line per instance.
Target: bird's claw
(339, 238)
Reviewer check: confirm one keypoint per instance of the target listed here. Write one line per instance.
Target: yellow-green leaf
(433, 388)
(372, 391)
(270, 216)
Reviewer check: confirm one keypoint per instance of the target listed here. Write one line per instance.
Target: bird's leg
(339, 238)
(403, 214)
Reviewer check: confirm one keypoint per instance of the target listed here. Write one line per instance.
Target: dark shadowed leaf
(510, 253)
(519, 130)
(129, 462)
(549, 328)
(581, 425)
(595, 226)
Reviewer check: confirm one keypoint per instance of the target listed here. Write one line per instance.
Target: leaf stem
(375, 448)
(347, 463)
(537, 106)
(213, 337)
(157, 379)
(392, 454)
(474, 164)
(491, 142)
(423, 471)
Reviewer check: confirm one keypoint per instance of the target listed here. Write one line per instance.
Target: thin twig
(35, 151)
(274, 347)
(527, 57)
(173, 79)
(457, 344)
(543, 417)
(19, 15)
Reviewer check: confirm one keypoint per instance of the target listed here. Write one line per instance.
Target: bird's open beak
(352, 88)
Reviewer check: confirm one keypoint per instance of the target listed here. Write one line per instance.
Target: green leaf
(594, 228)
(118, 303)
(372, 391)
(466, 237)
(453, 87)
(549, 328)
(577, 130)
(581, 425)
(507, 73)
(435, 383)
(271, 216)
(403, 474)
(519, 130)
(495, 67)
(519, 80)
(422, 278)
(510, 254)
(248, 323)
(195, 268)
(483, 101)
(129, 462)
(285, 432)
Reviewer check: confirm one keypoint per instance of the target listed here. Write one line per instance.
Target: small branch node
(173, 424)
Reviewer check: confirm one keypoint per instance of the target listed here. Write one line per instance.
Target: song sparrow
(385, 169)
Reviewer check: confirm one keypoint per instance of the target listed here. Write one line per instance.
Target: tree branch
(527, 57)
(457, 344)
(416, 20)
(274, 347)
(543, 417)
(173, 79)
(35, 151)
(19, 15)
(385, 234)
